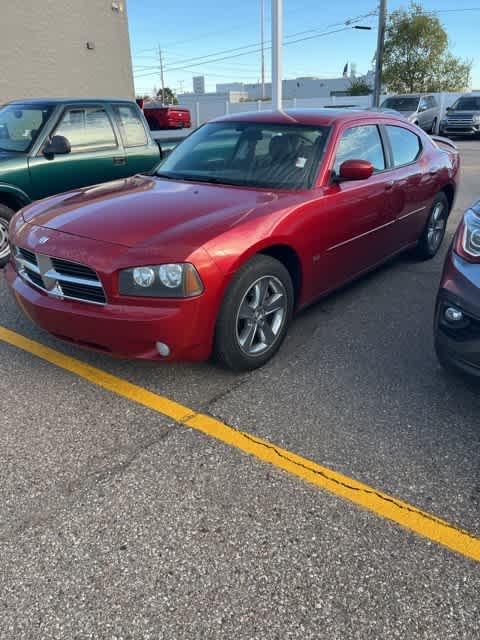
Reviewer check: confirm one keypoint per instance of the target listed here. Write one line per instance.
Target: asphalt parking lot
(117, 521)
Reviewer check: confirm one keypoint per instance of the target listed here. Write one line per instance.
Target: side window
(423, 104)
(87, 128)
(361, 143)
(406, 146)
(432, 103)
(130, 125)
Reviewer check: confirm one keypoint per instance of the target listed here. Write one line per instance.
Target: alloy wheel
(261, 316)
(436, 227)
(4, 246)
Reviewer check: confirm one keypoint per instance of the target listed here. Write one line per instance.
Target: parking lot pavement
(116, 522)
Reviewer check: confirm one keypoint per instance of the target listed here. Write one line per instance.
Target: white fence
(204, 110)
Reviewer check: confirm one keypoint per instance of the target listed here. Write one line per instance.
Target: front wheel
(6, 215)
(255, 314)
(434, 231)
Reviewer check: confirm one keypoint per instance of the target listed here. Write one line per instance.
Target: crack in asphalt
(346, 485)
(76, 488)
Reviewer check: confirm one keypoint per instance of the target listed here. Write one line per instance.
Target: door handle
(389, 185)
(119, 160)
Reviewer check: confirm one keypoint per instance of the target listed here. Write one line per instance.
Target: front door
(96, 153)
(356, 217)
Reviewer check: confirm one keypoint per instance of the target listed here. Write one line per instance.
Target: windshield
(400, 104)
(467, 104)
(253, 154)
(21, 124)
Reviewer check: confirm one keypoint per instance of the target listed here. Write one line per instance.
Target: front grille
(460, 120)
(59, 278)
(27, 255)
(73, 269)
(83, 292)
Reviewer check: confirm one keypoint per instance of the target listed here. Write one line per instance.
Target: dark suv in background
(463, 117)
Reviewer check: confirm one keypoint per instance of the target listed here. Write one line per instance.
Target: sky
(188, 30)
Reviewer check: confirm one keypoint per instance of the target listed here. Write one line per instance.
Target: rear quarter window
(406, 145)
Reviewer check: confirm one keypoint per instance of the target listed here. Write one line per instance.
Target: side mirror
(58, 145)
(422, 108)
(355, 170)
(448, 109)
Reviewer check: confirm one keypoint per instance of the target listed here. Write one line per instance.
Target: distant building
(309, 87)
(188, 99)
(65, 48)
(199, 84)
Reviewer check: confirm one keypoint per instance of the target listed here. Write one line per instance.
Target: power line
(238, 55)
(316, 32)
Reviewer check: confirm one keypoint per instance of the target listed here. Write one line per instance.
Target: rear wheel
(434, 127)
(6, 215)
(434, 231)
(255, 314)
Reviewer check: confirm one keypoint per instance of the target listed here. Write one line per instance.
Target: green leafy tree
(359, 87)
(168, 97)
(417, 58)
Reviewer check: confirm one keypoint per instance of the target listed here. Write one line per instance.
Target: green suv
(50, 146)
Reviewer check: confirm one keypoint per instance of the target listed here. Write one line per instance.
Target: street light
(359, 26)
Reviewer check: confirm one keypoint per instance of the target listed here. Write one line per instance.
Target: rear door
(141, 152)
(356, 216)
(97, 155)
(414, 182)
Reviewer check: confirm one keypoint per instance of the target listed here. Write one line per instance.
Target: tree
(169, 97)
(417, 58)
(359, 87)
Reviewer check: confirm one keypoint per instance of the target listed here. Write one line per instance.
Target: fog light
(453, 315)
(163, 349)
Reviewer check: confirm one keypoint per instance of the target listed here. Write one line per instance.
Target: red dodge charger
(250, 219)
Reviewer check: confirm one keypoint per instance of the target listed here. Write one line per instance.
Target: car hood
(145, 210)
(467, 114)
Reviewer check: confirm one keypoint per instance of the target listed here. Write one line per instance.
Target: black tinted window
(361, 143)
(467, 104)
(405, 145)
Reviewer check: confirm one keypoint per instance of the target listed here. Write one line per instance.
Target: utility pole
(382, 18)
(262, 40)
(161, 73)
(277, 28)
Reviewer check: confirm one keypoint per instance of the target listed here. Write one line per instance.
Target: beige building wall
(43, 49)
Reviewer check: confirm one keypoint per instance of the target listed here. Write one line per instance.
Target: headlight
(471, 234)
(161, 281)
(476, 119)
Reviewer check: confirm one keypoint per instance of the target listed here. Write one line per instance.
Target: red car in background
(166, 117)
(250, 219)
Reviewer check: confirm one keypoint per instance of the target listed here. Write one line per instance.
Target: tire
(255, 314)
(6, 215)
(434, 230)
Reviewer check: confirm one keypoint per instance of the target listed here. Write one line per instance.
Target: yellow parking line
(425, 524)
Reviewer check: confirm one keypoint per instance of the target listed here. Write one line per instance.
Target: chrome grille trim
(52, 279)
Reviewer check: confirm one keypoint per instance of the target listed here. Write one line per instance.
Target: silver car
(423, 110)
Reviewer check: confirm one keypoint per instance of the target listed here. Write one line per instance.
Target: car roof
(324, 117)
(54, 101)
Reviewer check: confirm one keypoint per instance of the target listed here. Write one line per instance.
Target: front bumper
(459, 130)
(459, 345)
(127, 331)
